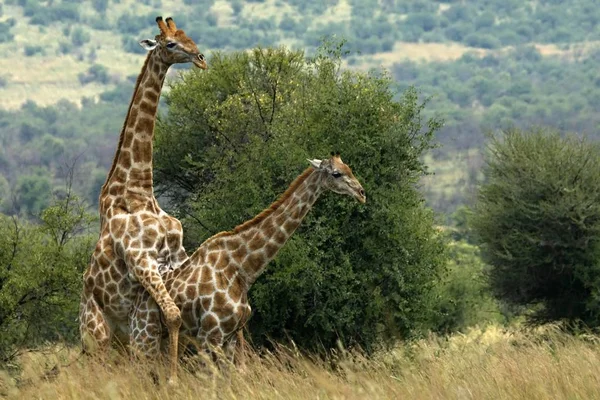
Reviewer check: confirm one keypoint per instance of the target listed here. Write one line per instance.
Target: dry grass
(483, 364)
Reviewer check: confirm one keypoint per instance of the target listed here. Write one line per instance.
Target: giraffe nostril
(362, 192)
(201, 57)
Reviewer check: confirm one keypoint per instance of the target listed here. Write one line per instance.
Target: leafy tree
(237, 6)
(131, 45)
(4, 193)
(424, 21)
(33, 192)
(133, 24)
(464, 297)
(79, 36)
(95, 73)
(40, 275)
(237, 135)
(5, 34)
(100, 5)
(538, 219)
(31, 50)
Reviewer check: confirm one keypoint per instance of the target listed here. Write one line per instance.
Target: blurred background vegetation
(67, 70)
(484, 66)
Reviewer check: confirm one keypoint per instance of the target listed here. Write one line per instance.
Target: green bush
(538, 219)
(100, 5)
(237, 6)
(133, 24)
(33, 192)
(31, 50)
(79, 37)
(40, 276)
(464, 297)
(237, 135)
(5, 34)
(132, 45)
(95, 73)
(65, 47)
(425, 21)
(484, 41)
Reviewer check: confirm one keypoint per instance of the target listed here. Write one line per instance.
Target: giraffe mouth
(360, 196)
(200, 62)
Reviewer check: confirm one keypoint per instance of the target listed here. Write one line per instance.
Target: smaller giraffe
(211, 290)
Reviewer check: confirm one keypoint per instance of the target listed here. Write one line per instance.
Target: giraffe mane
(122, 135)
(269, 210)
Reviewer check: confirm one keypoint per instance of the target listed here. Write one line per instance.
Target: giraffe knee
(173, 317)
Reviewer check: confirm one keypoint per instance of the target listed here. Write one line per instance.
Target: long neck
(262, 237)
(132, 165)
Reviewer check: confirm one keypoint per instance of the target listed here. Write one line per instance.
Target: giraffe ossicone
(137, 238)
(212, 288)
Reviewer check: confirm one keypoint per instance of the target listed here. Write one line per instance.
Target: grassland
(491, 363)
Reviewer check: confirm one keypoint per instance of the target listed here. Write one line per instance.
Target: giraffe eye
(171, 45)
(336, 174)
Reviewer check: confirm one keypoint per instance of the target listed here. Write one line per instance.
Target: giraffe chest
(217, 304)
(223, 322)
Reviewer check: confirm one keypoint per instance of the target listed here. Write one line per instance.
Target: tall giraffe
(138, 240)
(212, 288)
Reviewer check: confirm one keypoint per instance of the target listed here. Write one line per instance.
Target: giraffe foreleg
(230, 347)
(239, 350)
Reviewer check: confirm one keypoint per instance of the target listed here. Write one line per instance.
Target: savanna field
(471, 272)
(488, 363)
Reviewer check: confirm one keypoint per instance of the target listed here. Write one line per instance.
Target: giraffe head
(174, 45)
(339, 177)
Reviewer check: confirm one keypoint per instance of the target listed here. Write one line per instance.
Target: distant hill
(57, 42)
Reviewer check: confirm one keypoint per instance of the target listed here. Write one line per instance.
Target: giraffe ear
(315, 163)
(148, 44)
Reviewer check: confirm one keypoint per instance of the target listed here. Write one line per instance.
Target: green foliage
(237, 6)
(132, 45)
(482, 41)
(464, 297)
(79, 37)
(517, 87)
(40, 276)
(520, 88)
(132, 24)
(49, 12)
(236, 136)
(538, 219)
(52, 135)
(100, 5)
(95, 73)
(5, 34)
(425, 21)
(33, 192)
(65, 47)
(32, 50)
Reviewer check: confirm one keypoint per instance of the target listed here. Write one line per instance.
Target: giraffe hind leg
(93, 327)
(145, 327)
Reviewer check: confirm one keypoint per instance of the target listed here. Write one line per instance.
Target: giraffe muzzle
(360, 195)
(200, 62)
